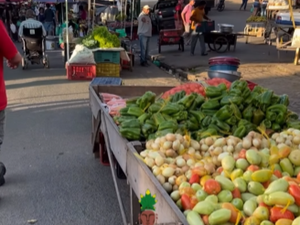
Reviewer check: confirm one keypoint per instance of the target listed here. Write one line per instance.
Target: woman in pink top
(186, 15)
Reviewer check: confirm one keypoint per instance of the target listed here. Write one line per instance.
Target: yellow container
(107, 70)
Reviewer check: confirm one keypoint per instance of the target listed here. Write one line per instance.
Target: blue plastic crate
(106, 56)
(106, 81)
(223, 67)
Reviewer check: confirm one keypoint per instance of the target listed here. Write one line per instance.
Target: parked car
(163, 14)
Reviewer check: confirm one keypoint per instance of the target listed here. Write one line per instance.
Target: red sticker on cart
(148, 215)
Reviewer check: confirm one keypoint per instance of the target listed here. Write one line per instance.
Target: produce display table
(138, 175)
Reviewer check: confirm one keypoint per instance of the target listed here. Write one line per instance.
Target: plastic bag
(13, 28)
(82, 54)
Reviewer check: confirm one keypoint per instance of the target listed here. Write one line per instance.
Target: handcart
(220, 42)
(171, 37)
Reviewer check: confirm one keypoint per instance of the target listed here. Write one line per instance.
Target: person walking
(186, 19)
(49, 17)
(13, 59)
(198, 14)
(144, 33)
(244, 4)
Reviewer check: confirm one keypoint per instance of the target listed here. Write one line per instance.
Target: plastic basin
(223, 67)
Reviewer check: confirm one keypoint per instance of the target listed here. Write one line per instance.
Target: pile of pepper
(234, 111)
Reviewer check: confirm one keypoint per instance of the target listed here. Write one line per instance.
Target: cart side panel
(116, 142)
(141, 179)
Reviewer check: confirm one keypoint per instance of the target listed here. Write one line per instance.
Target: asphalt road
(52, 176)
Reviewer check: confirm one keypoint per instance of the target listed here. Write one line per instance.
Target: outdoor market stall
(210, 153)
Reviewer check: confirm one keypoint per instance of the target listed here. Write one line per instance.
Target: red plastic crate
(81, 71)
(102, 150)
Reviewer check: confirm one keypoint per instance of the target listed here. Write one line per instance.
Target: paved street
(52, 175)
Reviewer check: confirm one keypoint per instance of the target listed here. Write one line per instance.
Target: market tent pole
(291, 13)
(94, 13)
(89, 14)
(67, 31)
(132, 10)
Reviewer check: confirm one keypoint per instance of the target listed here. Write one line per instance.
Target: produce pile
(205, 111)
(256, 19)
(100, 38)
(217, 181)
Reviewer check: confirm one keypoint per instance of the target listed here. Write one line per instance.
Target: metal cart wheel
(23, 64)
(46, 62)
(223, 42)
(212, 47)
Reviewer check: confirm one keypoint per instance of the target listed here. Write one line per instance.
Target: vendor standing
(144, 33)
(198, 14)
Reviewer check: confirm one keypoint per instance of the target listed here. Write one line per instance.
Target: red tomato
(276, 213)
(277, 173)
(212, 187)
(236, 193)
(294, 190)
(298, 176)
(253, 168)
(186, 202)
(266, 184)
(205, 220)
(242, 154)
(264, 205)
(195, 178)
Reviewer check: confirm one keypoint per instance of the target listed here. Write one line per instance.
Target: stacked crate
(78, 71)
(107, 63)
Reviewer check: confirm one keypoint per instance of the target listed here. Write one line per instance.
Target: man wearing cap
(31, 22)
(144, 33)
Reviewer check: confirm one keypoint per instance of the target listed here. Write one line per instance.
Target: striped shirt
(31, 23)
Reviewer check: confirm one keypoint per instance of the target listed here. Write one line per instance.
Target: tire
(224, 42)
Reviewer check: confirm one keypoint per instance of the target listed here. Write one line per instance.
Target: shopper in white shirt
(144, 33)
(31, 22)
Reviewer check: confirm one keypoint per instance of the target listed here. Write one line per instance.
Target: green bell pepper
(151, 136)
(271, 115)
(199, 100)
(135, 111)
(158, 118)
(241, 107)
(148, 129)
(132, 100)
(212, 91)
(162, 133)
(284, 100)
(155, 107)
(170, 108)
(233, 128)
(243, 122)
(236, 111)
(206, 121)
(177, 96)
(231, 99)
(191, 126)
(264, 99)
(143, 118)
(168, 125)
(258, 116)
(224, 113)
(209, 112)
(240, 132)
(292, 115)
(133, 123)
(131, 133)
(210, 104)
(278, 108)
(187, 101)
(198, 115)
(266, 123)
(120, 119)
(239, 84)
(275, 99)
(281, 117)
(235, 92)
(293, 124)
(146, 100)
(276, 127)
(231, 121)
(221, 125)
(151, 122)
(246, 93)
(258, 89)
(180, 116)
(208, 133)
(248, 113)
(168, 117)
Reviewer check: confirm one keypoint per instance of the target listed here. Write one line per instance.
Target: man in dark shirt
(49, 16)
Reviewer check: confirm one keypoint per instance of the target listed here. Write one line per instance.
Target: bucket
(51, 43)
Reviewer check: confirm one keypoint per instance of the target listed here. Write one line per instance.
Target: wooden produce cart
(139, 176)
(255, 29)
